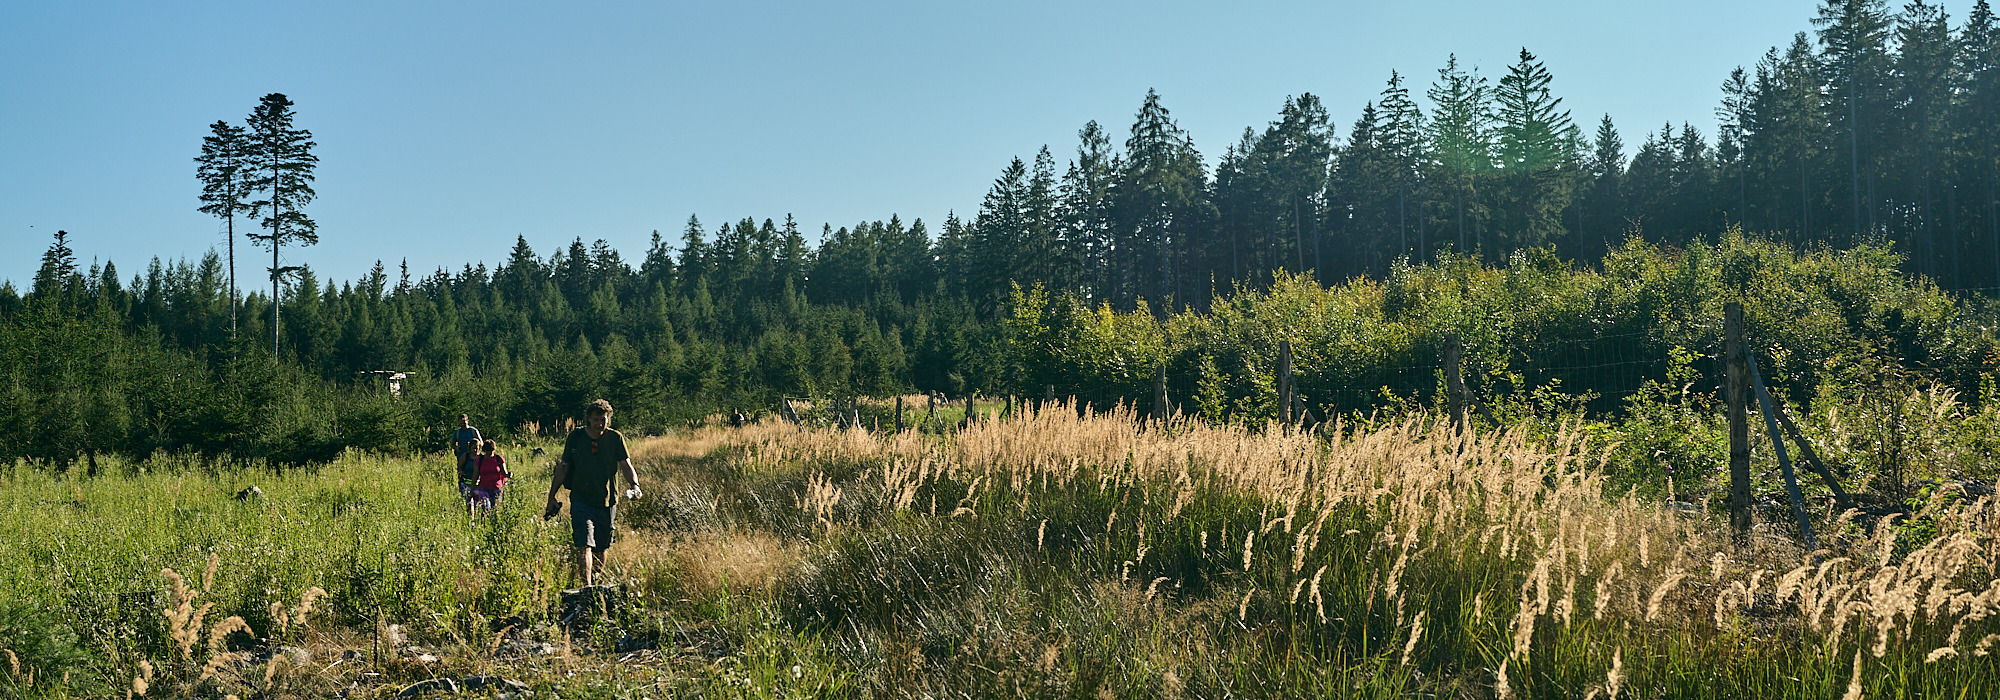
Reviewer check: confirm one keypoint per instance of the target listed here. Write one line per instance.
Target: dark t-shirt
(593, 473)
(464, 440)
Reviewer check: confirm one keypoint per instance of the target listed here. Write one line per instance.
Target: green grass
(1029, 590)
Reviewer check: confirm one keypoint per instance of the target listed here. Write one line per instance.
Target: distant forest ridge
(1879, 127)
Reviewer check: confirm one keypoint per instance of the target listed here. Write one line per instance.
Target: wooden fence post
(1784, 460)
(1160, 392)
(1736, 365)
(1454, 381)
(899, 414)
(1285, 382)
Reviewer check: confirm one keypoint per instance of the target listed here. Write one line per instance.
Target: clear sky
(447, 128)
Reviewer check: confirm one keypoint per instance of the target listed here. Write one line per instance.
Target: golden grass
(1438, 493)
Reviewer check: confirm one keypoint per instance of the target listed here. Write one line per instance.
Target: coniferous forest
(1866, 148)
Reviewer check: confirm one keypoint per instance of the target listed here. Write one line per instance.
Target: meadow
(1047, 553)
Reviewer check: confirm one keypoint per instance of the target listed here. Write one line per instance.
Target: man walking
(592, 458)
(463, 441)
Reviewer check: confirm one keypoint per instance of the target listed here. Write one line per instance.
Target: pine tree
(1535, 144)
(53, 278)
(1160, 203)
(695, 256)
(1731, 119)
(225, 169)
(1855, 37)
(1294, 155)
(1923, 82)
(1364, 199)
(1085, 192)
(1603, 198)
(793, 256)
(1401, 135)
(994, 251)
(1977, 133)
(1785, 140)
(283, 176)
(1238, 200)
(1461, 147)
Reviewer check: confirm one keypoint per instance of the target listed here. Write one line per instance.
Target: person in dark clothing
(464, 442)
(592, 458)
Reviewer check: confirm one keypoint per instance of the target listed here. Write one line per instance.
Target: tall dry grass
(1495, 559)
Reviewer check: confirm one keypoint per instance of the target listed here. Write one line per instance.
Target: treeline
(1878, 128)
(739, 317)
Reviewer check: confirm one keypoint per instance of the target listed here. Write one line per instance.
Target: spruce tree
(1461, 146)
(1085, 191)
(1854, 35)
(283, 176)
(1921, 107)
(225, 169)
(1731, 119)
(52, 279)
(1534, 142)
(1603, 200)
(1161, 205)
(1401, 134)
(1977, 133)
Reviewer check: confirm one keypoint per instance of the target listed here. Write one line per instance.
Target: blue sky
(447, 128)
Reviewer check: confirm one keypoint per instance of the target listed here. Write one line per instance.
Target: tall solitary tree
(224, 169)
(283, 177)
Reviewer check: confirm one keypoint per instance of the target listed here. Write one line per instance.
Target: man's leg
(584, 566)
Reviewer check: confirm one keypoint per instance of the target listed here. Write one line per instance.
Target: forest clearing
(1044, 553)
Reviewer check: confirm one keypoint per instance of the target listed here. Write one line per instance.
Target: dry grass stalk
(1854, 682)
(1416, 632)
(1614, 680)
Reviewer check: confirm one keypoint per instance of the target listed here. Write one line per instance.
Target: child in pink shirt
(492, 476)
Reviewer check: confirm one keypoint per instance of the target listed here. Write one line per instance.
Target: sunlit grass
(1044, 554)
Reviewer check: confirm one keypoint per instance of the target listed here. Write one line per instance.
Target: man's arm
(631, 474)
(556, 483)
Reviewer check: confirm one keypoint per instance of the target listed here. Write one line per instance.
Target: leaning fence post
(1784, 461)
(1737, 367)
(1811, 458)
(1285, 382)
